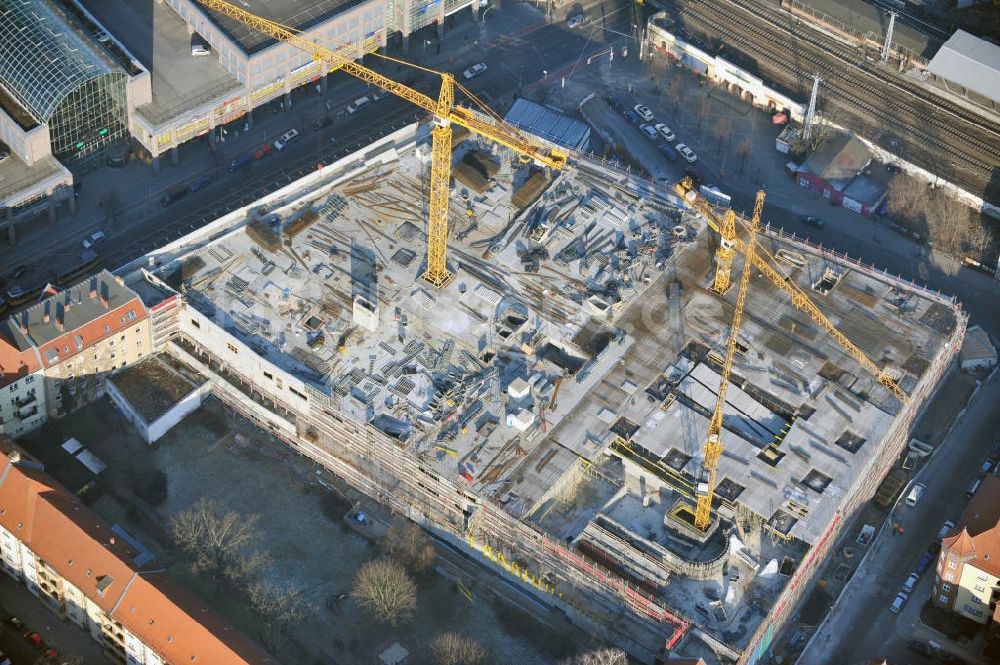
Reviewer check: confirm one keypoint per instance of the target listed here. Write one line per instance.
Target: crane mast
(685, 188)
(705, 489)
(445, 113)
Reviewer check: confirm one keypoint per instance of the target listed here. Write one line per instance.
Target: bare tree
(743, 150)
(676, 91)
(383, 588)
(111, 207)
(410, 546)
(455, 649)
(702, 112)
(907, 197)
(722, 130)
(277, 608)
(599, 657)
(213, 537)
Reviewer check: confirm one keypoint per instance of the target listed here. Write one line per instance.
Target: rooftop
(297, 14)
(977, 535)
(152, 387)
(971, 62)
(553, 126)
(864, 17)
(180, 82)
(838, 160)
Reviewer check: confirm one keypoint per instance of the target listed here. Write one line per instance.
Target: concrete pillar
(52, 211)
(156, 165)
(250, 119)
(11, 228)
(288, 101)
(174, 157)
(475, 10)
(406, 45)
(323, 84)
(440, 25)
(72, 201)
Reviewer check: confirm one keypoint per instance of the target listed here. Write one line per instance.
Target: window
(232, 347)
(268, 375)
(195, 323)
(946, 587)
(111, 343)
(112, 356)
(107, 328)
(983, 577)
(138, 342)
(131, 314)
(31, 379)
(951, 564)
(943, 598)
(949, 577)
(123, 338)
(980, 587)
(976, 599)
(13, 387)
(66, 349)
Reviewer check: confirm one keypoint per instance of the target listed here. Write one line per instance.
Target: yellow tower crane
(764, 262)
(705, 488)
(445, 113)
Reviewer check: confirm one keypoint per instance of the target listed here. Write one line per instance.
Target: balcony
(26, 401)
(24, 415)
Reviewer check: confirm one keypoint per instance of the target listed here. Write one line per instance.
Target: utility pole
(811, 113)
(888, 37)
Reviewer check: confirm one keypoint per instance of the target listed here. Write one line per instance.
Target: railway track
(906, 113)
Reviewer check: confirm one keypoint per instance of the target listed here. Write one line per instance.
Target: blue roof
(548, 125)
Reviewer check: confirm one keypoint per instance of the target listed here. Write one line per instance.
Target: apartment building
(22, 404)
(54, 354)
(84, 572)
(968, 568)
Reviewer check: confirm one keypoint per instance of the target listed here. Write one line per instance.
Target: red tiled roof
(15, 363)
(81, 547)
(979, 529)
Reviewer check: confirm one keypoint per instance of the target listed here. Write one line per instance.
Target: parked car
(94, 238)
(812, 220)
(687, 153)
(474, 71)
(320, 123)
(264, 151)
(358, 104)
(893, 168)
(199, 49)
(695, 174)
(174, 194)
(199, 183)
(632, 117)
(949, 658)
(379, 94)
(15, 622)
(20, 271)
(925, 560)
(643, 112)
(665, 132)
(921, 648)
(239, 163)
(101, 35)
(916, 492)
(33, 637)
(4, 659)
(668, 152)
(286, 138)
(650, 132)
(575, 21)
(898, 602)
(910, 582)
(945, 529)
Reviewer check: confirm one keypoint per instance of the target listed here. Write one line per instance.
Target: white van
(200, 49)
(915, 494)
(358, 104)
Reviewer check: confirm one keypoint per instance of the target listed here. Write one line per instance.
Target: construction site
(549, 364)
(548, 407)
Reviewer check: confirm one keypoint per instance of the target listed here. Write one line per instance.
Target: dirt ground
(216, 454)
